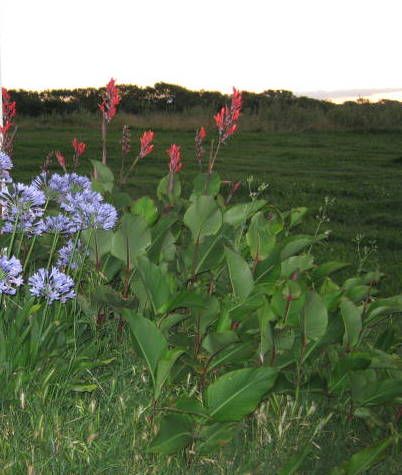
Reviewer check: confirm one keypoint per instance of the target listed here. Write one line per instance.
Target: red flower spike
(110, 101)
(60, 159)
(199, 149)
(146, 145)
(79, 147)
(174, 153)
(226, 118)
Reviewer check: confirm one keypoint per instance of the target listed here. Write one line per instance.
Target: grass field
(360, 172)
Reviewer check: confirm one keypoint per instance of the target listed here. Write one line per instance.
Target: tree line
(281, 108)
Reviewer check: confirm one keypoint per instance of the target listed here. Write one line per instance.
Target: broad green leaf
(382, 307)
(146, 208)
(381, 392)
(131, 239)
(207, 184)
(293, 245)
(265, 317)
(104, 177)
(234, 353)
(150, 340)
(107, 296)
(237, 393)
(175, 433)
(240, 213)
(214, 437)
(216, 341)
(99, 242)
(240, 274)
(296, 264)
(364, 459)
(297, 215)
(162, 190)
(156, 284)
(352, 320)
(165, 364)
(203, 217)
(210, 254)
(328, 268)
(183, 299)
(259, 238)
(315, 317)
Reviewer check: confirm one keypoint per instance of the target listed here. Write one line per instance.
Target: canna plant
(230, 298)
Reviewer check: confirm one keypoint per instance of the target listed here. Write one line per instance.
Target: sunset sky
(319, 46)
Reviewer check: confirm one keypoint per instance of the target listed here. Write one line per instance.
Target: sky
(316, 46)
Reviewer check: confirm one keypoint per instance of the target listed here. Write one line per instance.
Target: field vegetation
(243, 316)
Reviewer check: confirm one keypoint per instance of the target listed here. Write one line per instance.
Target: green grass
(51, 430)
(361, 171)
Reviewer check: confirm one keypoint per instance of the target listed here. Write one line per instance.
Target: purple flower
(22, 208)
(68, 183)
(5, 166)
(87, 210)
(58, 224)
(52, 285)
(10, 275)
(71, 255)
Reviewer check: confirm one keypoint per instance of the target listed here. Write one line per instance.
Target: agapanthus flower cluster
(60, 224)
(9, 112)
(71, 255)
(226, 119)
(10, 275)
(146, 143)
(68, 183)
(22, 208)
(110, 101)
(52, 285)
(175, 163)
(199, 144)
(86, 209)
(5, 166)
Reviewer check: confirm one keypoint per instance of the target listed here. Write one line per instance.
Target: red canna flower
(110, 101)
(60, 159)
(174, 153)
(79, 147)
(199, 149)
(146, 145)
(9, 111)
(227, 117)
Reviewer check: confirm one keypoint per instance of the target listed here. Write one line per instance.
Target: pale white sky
(301, 45)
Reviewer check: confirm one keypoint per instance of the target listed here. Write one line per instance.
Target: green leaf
(364, 459)
(203, 217)
(165, 364)
(162, 191)
(184, 299)
(265, 317)
(214, 437)
(175, 433)
(132, 238)
(295, 244)
(146, 208)
(207, 184)
(105, 177)
(315, 317)
(259, 238)
(237, 393)
(328, 268)
(150, 340)
(296, 264)
(353, 322)
(297, 215)
(240, 274)
(156, 284)
(381, 392)
(241, 212)
(216, 341)
(99, 242)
